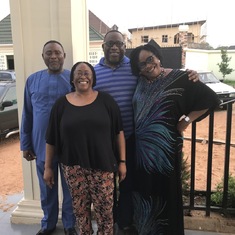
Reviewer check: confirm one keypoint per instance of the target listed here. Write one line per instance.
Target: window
(176, 39)
(164, 38)
(11, 95)
(190, 37)
(144, 39)
(93, 58)
(7, 76)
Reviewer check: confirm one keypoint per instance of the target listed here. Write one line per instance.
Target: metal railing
(207, 207)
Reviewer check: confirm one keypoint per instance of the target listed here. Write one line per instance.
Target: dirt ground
(11, 160)
(218, 158)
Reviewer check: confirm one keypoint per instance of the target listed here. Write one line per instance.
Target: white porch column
(34, 23)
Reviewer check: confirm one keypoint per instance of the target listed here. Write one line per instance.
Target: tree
(224, 65)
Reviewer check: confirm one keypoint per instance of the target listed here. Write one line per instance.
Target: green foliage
(224, 65)
(230, 82)
(217, 197)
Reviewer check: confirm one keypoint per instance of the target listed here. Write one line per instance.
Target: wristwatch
(187, 119)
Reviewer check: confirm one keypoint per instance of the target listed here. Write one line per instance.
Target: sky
(126, 14)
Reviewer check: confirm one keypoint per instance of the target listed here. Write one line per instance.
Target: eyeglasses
(111, 43)
(143, 64)
(85, 74)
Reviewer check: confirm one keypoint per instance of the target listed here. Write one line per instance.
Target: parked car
(7, 75)
(8, 109)
(224, 91)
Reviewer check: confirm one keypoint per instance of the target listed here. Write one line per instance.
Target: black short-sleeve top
(85, 135)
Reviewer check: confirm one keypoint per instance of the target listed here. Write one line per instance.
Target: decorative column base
(29, 212)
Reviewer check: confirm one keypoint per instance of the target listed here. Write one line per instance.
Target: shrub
(217, 197)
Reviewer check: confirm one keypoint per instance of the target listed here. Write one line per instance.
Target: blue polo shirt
(120, 83)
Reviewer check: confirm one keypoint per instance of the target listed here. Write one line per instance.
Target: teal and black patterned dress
(157, 109)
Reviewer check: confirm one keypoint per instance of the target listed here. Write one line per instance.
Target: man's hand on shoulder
(193, 75)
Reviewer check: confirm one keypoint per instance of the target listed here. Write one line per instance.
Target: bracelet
(122, 161)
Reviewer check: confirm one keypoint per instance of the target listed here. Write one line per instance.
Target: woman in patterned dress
(165, 102)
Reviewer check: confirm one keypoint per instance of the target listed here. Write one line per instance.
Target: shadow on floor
(7, 228)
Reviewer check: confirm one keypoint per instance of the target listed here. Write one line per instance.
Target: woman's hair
(73, 69)
(134, 57)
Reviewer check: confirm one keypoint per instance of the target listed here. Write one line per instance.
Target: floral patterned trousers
(89, 186)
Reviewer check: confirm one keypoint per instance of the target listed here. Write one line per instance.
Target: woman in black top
(85, 132)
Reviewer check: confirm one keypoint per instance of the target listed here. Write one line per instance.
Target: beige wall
(156, 34)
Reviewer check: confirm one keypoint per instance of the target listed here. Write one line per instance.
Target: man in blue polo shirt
(114, 76)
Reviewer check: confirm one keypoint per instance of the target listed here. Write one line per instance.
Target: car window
(5, 76)
(203, 77)
(1, 90)
(208, 78)
(11, 95)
